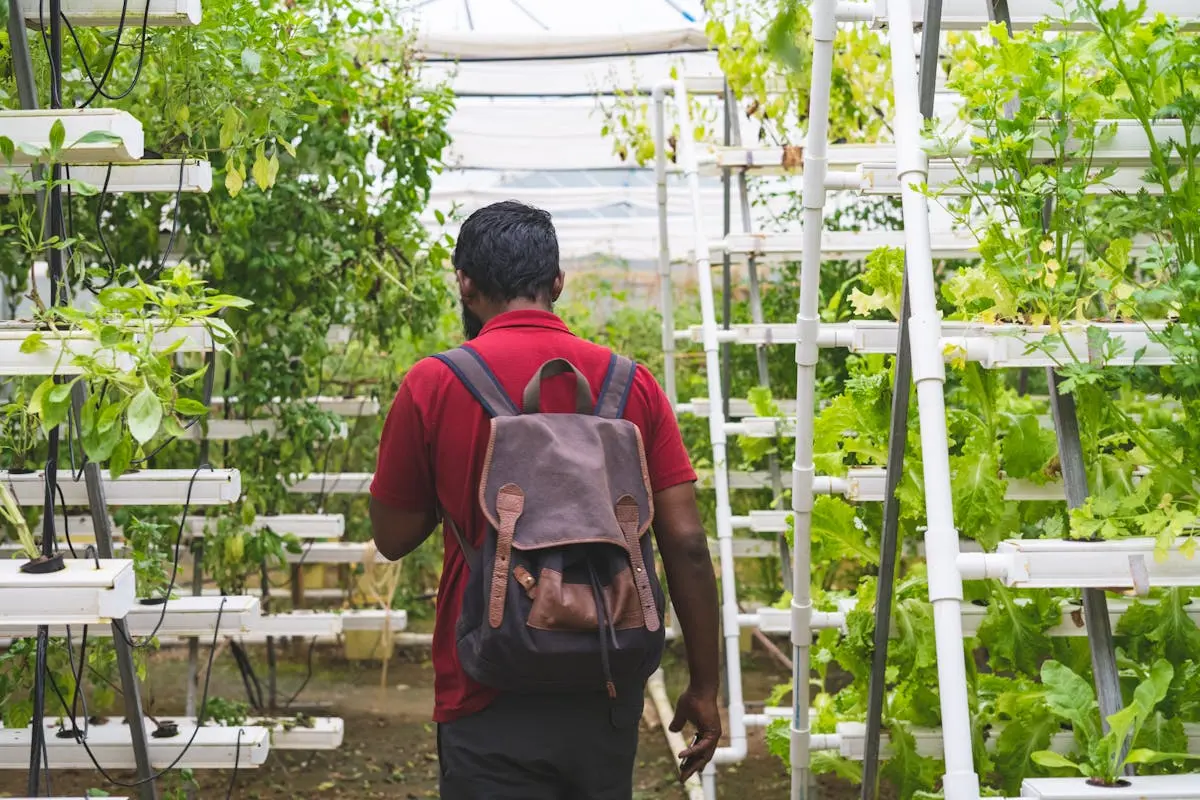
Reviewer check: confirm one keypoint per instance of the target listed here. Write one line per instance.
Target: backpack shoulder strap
(614, 392)
(479, 379)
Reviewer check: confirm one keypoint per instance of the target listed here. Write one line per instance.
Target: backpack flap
(558, 480)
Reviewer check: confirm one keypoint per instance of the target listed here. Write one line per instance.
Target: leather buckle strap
(627, 519)
(510, 503)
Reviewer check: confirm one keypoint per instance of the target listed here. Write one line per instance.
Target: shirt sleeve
(404, 477)
(666, 457)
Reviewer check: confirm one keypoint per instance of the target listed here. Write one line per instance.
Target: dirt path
(389, 749)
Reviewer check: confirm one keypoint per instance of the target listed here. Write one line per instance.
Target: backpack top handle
(557, 366)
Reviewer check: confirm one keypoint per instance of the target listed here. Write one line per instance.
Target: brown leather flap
(572, 469)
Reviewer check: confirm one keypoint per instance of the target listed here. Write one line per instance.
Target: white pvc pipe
(941, 538)
(662, 706)
(807, 353)
(736, 750)
(666, 293)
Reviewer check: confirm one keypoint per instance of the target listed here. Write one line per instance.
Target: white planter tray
(739, 479)
(144, 177)
(302, 526)
(334, 553)
(331, 483)
(107, 13)
(972, 15)
(326, 733)
(150, 487)
(185, 616)
(738, 407)
(992, 346)
(78, 594)
(324, 625)
(33, 128)
(224, 430)
(215, 747)
(774, 248)
(1059, 564)
(1148, 787)
(850, 741)
(61, 346)
(344, 406)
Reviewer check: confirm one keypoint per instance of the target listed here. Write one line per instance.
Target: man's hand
(699, 709)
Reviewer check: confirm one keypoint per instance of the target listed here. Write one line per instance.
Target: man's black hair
(510, 250)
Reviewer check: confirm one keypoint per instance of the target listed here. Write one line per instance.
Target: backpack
(563, 595)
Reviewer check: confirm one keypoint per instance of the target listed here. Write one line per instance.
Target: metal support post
(1095, 604)
(121, 640)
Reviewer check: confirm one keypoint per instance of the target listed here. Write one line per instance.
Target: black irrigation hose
(199, 719)
(237, 757)
(312, 646)
(66, 518)
(162, 614)
(249, 679)
(98, 86)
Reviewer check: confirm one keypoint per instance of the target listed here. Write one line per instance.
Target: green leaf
(1031, 728)
(261, 171)
(190, 408)
(56, 404)
(1072, 698)
(119, 298)
(122, 456)
(907, 770)
(145, 415)
(7, 149)
(34, 343)
(99, 137)
(109, 416)
(1015, 634)
(39, 395)
(1143, 756)
(1053, 760)
(1027, 448)
(228, 301)
(233, 180)
(978, 488)
(1129, 720)
(57, 134)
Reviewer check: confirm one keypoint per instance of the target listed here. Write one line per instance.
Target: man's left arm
(403, 501)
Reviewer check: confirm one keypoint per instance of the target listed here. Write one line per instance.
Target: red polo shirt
(434, 442)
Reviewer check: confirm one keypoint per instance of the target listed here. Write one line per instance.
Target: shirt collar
(526, 318)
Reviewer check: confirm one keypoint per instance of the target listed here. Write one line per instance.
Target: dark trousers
(542, 747)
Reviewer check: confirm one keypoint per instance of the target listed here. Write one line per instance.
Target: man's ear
(467, 289)
(557, 287)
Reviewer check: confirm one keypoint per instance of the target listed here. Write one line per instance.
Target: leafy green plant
(233, 551)
(16, 519)
(134, 391)
(1103, 757)
(226, 712)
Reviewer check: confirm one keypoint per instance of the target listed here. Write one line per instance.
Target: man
(494, 744)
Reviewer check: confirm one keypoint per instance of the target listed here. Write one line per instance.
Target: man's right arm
(683, 544)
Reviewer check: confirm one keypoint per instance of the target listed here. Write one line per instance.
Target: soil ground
(389, 749)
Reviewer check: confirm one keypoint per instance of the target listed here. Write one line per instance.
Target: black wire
(91, 548)
(112, 261)
(312, 646)
(237, 756)
(98, 87)
(249, 678)
(162, 614)
(162, 262)
(199, 720)
(66, 524)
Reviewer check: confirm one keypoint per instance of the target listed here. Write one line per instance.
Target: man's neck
(521, 304)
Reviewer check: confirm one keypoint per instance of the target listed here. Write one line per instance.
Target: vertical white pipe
(736, 750)
(807, 353)
(666, 293)
(941, 538)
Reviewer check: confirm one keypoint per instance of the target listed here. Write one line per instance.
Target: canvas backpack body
(563, 595)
